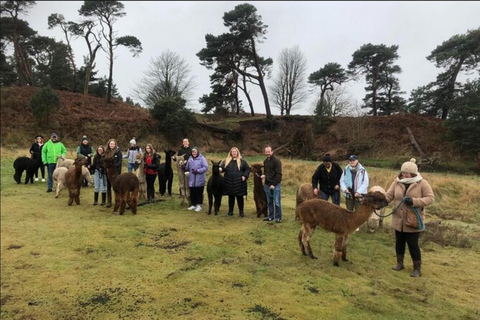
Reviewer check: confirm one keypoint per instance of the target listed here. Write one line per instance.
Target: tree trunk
(415, 144)
(110, 75)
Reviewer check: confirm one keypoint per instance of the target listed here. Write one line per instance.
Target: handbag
(414, 218)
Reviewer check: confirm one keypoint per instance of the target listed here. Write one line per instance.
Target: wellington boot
(417, 272)
(399, 265)
(104, 196)
(95, 198)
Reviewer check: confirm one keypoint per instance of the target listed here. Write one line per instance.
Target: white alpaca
(59, 178)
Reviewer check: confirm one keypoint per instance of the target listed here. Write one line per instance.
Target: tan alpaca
(140, 173)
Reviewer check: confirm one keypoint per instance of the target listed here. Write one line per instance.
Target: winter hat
(38, 136)
(410, 167)
(84, 138)
(352, 157)
(133, 141)
(327, 158)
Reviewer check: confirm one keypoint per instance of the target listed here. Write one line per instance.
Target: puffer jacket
(232, 180)
(422, 195)
(132, 154)
(200, 164)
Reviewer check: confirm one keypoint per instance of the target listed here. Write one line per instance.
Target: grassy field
(83, 262)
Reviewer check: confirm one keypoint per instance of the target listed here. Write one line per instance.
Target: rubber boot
(399, 265)
(109, 198)
(416, 269)
(104, 196)
(95, 198)
(240, 214)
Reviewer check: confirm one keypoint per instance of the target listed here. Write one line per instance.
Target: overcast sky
(324, 31)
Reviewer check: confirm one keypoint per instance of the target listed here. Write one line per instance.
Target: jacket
(151, 166)
(36, 152)
(117, 154)
(273, 170)
(327, 180)
(132, 154)
(422, 195)
(51, 151)
(185, 151)
(232, 179)
(200, 164)
(361, 180)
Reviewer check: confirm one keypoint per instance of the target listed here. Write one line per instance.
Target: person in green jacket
(50, 153)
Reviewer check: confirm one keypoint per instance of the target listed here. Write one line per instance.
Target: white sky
(325, 31)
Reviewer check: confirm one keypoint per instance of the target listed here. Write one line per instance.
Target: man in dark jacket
(185, 149)
(272, 179)
(328, 176)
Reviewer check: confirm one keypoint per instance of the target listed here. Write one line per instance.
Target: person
(354, 183)
(113, 151)
(272, 178)
(409, 189)
(197, 167)
(236, 171)
(85, 150)
(185, 149)
(328, 176)
(99, 176)
(151, 162)
(131, 155)
(36, 154)
(50, 153)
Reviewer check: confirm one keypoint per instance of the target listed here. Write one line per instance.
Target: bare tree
(168, 76)
(289, 86)
(335, 102)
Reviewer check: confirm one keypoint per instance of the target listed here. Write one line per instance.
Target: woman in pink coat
(409, 190)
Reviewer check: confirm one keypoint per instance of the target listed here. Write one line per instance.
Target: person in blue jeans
(272, 184)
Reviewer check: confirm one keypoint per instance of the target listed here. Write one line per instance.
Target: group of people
(408, 191)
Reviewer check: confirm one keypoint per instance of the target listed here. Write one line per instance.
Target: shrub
(43, 102)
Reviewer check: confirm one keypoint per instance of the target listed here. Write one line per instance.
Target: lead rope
(375, 211)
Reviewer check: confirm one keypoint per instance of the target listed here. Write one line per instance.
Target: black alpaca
(165, 173)
(26, 164)
(215, 188)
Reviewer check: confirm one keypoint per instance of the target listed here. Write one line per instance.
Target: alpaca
(215, 188)
(259, 195)
(26, 164)
(330, 217)
(182, 178)
(165, 173)
(140, 173)
(304, 193)
(62, 162)
(59, 178)
(375, 221)
(125, 186)
(74, 180)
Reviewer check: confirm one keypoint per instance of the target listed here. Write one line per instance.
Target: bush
(175, 119)
(43, 102)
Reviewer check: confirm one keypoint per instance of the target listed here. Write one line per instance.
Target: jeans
(274, 196)
(132, 166)
(335, 196)
(51, 168)
(100, 182)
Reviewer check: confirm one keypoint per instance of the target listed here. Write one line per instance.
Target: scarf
(349, 178)
(410, 180)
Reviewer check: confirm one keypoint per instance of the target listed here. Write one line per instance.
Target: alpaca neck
(78, 170)
(360, 216)
(112, 174)
(257, 181)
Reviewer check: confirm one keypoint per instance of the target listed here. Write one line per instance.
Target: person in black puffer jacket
(236, 171)
(36, 154)
(113, 151)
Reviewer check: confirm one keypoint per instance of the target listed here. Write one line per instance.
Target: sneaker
(191, 208)
(268, 219)
(36, 179)
(43, 180)
(49, 190)
(198, 208)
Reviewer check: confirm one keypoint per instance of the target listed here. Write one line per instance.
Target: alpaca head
(139, 158)
(109, 162)
(179, 159)
(169, 153)
(376, 199)
(216, 167)
(256, 169)
(79, 161)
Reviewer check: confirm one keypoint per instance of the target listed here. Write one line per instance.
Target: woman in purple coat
(197, 167)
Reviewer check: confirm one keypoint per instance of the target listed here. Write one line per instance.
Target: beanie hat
(84, 138)
(133, 141)
(327, 158)
(410, 167)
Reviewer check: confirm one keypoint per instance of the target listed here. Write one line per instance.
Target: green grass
(83, 262)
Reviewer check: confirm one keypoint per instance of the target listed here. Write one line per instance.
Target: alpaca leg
(218, 204)
(170, 181)
(117, 202)
(77, 196)
(58, 188)
(210, 202)
(338, 249)
(70, 197)
(344, 248)
(302, 247)
(307, 233)
(134, 198)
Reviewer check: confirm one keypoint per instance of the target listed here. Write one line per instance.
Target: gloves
(408, 201)
(194, 171)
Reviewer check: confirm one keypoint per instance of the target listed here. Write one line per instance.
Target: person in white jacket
(354, 183)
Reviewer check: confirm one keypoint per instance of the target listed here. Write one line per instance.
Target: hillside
(382, 137)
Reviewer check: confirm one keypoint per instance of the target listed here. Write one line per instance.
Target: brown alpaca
(330, 217)
(74, 180)
(304, 193)
(59, 178)
(258, 191)
(125, 186)
(140, 173)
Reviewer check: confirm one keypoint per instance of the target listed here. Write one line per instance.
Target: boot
(416, 269)
(95, 198)
(109, 199)
(399, 265)
(104, 195)
(240, 214)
